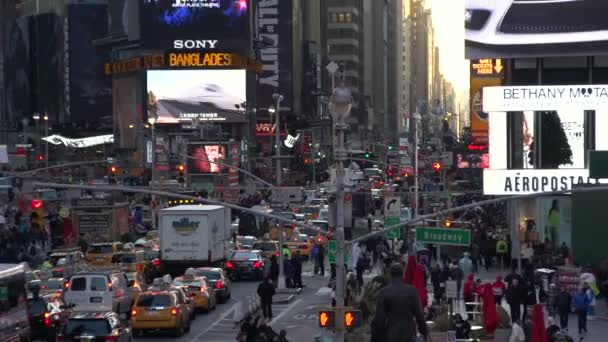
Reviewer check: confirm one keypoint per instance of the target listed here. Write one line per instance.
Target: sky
(448, 20)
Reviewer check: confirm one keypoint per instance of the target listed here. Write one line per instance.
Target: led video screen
(194, 24)
(205, 156)
(535, 28)
(184, 96)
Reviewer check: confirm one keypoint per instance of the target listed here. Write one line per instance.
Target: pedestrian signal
(36, 204)
(353, 319)
(447, 223)
(327, 319)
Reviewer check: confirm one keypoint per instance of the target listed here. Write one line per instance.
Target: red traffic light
(181, 168)
(40, 157)
(36, 204)
(436, 166)
(113, 169)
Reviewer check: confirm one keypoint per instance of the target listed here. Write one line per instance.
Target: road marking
(284, 312)
(299, 317)
(214, 324)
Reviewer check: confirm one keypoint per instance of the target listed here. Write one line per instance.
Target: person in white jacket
(517, 332)
(354, 256)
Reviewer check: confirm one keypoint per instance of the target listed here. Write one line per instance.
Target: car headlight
(468, 15)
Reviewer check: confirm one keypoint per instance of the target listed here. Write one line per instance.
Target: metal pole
(312, 160)
(438, 225)
(46, 145)
(416, 201)
(277, 141)
(153, 209)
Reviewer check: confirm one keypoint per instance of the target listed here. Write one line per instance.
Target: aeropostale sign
(521, 182)
(508, 99)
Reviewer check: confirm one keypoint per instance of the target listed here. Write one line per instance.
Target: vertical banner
(275, 24)
(482, 75)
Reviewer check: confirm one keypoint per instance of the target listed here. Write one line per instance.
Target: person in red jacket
(498, 288)
(468, 293)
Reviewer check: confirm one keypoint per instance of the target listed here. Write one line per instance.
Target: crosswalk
(226, 329)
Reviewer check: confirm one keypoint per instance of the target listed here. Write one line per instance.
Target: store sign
(290, 141)
(521, 182)
(125, 66)
(194, 44)
(443, 236)
(211, 60)
(487, 67)
(509, 99)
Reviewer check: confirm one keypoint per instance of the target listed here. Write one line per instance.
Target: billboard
(275, 24)
(205, 156)
(535, 28)
(185, 96)
(194, 25)
(90, 91)
(483, 74)
(473, 161)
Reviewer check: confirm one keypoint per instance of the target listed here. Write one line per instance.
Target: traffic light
(437, 169)
(353, 319)
(40, 157)
(37, 216)
(390, 148)
(389, 172)
(180, 174)
(112, 175)
(113, 169)
(307, 161)
(367, 155)
(36, 204)
(327, 319)
(447, 223)
(437, 166)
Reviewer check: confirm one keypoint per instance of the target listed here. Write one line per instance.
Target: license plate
(152, 313)
(95, 299)
(86, 339)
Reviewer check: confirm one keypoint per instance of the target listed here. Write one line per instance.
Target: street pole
(341, 103)
(416, 118)
(46, 145)
(152, 117)
(277, 140)
(312, 160)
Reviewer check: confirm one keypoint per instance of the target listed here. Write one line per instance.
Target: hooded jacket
(469, 288)
(498, 287)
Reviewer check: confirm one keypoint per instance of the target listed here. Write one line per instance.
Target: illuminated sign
(134, 64)
(529, 181)
(264, 129)
(487, 67)
(194, 44)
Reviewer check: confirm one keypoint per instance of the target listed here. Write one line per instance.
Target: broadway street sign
(444, 236)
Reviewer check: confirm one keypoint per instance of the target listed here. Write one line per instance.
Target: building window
(349, 17)
(333, 17)
(341, 17)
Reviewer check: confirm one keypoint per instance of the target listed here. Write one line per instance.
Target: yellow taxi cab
(130, 262)
(299, 243)
(202, 295)
(268, 248)
(100, 254)
(159, 310)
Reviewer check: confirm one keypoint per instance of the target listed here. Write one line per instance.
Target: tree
(555, 149)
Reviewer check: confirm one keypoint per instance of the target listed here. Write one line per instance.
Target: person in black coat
(515, 296)
(398, 311)
(564, 307)
(296, 263)
(274, 270)
(266, 291)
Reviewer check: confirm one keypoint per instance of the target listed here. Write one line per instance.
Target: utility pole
(277, 140)
(152, 117)
(416, 116)
(341, 103)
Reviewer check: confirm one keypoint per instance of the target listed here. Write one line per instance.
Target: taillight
(110, 286)
(140, 267)
(304, 246)
(219, 284)
(47, 319)
(203, 289)
(60, 270)
(67, 286)
(111, 338)
(257, 264)
(156, 262)
(133, 313)
(229, 264)
(43, 287)
(315, 216)
(277, 254)
(174, 311)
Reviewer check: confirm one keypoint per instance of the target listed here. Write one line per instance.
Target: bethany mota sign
(521, 182)
(508, 99)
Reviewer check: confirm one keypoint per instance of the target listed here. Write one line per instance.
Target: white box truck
(193, 235)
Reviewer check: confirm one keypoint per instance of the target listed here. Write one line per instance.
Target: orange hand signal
(323, 318)
(348, 319)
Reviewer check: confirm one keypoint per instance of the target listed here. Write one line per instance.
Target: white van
(98, 291)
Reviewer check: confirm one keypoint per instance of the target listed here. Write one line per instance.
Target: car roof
(247, 251)
(212, 269)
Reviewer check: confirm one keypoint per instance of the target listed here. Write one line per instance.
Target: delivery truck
(193, 236)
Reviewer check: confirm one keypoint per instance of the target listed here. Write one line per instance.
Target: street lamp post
(277, 140)
(416, 116)
(340, 104)
(46, 144)
(152, 117)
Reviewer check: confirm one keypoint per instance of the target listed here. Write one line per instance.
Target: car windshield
(289, 216)
(186, 282)
(148, 301)
(264, 246)
(321, 224)
(124, 258)
(317, 201)
(150, 255)
(309, 210)
(301, 238)
(87, 327)
(244, 255)
(211, 275)
(100, 249)
(51, 284)
(246, 240)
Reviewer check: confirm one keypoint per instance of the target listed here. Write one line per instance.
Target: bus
(14, 322)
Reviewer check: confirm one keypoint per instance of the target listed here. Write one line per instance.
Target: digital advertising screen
(205, 156)
(473, 161)
(194, 24)
(533, 28)
(187, 96)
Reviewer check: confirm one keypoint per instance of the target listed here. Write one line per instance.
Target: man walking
(266, 291)
(581, 304)
(515, 297)
(397, 307)
(564, 305)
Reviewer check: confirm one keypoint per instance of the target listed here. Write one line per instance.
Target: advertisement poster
(479, 118)
(90, 91)
(553, 219)
(276, 25)
(524, 28)
(184, 96)
(194, 24)
(205, 156)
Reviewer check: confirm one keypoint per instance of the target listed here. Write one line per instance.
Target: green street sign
(394, 233)
(444, 236)
(333, 248)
